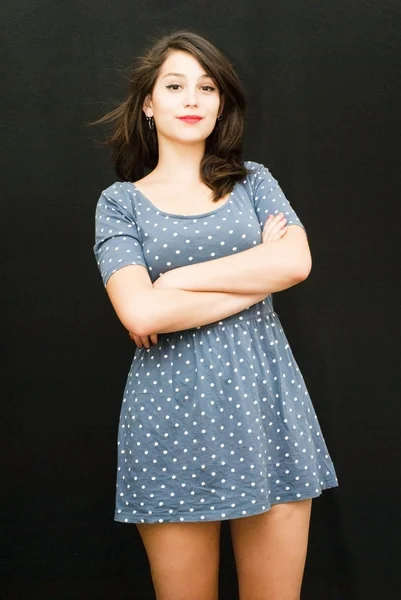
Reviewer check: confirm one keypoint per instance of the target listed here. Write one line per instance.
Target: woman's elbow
(299, 254)
(138, 318)
(147, 318)
(139, 327)
(140, 323)
(304, 268)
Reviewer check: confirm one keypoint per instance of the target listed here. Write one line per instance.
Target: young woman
(216, 422)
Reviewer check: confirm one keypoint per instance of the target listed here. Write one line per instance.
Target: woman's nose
(191, 98)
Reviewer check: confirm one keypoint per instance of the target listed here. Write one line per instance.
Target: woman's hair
(135, 145)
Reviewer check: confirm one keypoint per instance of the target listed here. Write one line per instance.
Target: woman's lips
(190, 119)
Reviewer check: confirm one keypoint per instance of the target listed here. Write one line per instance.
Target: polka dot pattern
(216, 421)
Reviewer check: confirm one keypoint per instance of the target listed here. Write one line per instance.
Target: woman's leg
(183, 558)
(270, 551)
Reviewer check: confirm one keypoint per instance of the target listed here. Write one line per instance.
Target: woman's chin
(189, 138)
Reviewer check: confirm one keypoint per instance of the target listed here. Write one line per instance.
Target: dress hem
(195, 518)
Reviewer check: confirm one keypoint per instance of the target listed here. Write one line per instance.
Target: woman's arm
(266, 268)
(144, 310)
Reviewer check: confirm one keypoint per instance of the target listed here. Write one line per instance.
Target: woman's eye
(177, 85)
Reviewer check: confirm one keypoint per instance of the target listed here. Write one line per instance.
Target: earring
(151, 122)
(219, 118)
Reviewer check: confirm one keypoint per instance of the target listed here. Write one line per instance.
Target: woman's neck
(179, 162)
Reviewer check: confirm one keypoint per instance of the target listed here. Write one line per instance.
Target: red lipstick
(190, 118)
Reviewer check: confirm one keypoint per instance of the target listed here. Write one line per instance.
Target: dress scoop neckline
(226, 204)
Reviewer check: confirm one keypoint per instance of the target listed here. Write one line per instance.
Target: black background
(323, 87)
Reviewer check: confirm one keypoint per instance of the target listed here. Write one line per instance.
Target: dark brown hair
(135, 144)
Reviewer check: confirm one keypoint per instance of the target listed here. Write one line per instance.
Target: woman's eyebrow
(181, 75)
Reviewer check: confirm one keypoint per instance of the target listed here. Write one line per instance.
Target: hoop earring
(151, 122)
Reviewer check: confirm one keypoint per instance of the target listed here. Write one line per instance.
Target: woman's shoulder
(117, 194)
(252, 164)
(116, 199)
(259, 174)
(256, 171)
(255, 167)
(117, 188)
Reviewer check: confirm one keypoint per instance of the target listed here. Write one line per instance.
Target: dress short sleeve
(117, 242)
(269, 198)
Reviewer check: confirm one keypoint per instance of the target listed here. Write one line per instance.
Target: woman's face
(183, 88)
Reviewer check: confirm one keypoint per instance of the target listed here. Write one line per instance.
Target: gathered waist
(259, 310)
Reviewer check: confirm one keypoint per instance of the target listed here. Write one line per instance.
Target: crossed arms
(202, 293)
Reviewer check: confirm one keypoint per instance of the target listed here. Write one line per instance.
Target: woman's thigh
(183, 558)
(270, 551)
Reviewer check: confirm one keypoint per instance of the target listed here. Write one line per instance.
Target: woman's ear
(147, 106)
(221, 108)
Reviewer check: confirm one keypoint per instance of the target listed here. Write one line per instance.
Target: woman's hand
(274, 228)
(144, 341)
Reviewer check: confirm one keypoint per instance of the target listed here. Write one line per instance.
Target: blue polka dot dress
(216, 421)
